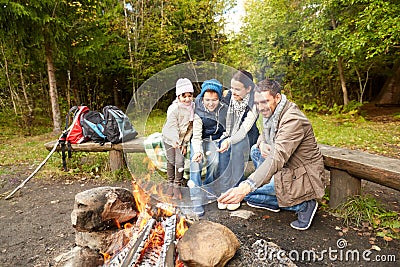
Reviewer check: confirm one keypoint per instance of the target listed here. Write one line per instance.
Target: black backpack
(118, 128)
(93, 124)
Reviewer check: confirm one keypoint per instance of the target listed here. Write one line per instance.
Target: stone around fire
(207, 244)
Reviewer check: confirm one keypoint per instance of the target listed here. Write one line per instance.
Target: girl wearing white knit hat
(176, 133)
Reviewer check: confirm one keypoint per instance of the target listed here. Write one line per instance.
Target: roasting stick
(182, 169)
(33, 173)
(191, 184)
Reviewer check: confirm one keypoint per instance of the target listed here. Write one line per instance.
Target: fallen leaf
(337, 228)
(266, 217)
(245, 214)
(375, 247)
(387, 238)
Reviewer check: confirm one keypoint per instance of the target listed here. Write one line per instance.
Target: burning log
(153, 246)
(167, 257)
(131, 253)
(102, 208)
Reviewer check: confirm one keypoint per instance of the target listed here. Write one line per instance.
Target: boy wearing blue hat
(208, 126)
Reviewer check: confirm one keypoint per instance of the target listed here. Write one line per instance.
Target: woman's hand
(224, 145)
(197, 157)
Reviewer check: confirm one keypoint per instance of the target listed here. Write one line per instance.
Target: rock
(207, 244)
(80, 256)
(94, 240)
(102, 208)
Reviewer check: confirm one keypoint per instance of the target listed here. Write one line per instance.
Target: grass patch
(366, 212)
(356, 133)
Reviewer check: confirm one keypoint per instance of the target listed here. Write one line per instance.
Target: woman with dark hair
(241, 130)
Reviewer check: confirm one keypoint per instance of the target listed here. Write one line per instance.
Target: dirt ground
(36, 227)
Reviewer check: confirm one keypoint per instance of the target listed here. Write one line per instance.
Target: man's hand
(197, 157)
(224, 145)
(235, 194)
(265, 149)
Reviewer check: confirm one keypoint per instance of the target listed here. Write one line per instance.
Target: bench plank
(363, 165)
(133, 146)
(116, 158)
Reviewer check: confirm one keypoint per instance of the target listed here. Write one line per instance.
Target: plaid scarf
(235, 113)
(271, 123)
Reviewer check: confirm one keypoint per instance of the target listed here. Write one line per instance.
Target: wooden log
(375, 168)
(342, 186)
(117, 161)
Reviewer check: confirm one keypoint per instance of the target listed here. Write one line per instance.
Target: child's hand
(183, 150)
(176, 145)
(197, 157)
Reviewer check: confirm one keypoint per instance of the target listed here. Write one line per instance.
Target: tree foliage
(327, 52)
(102, 50)
(304, 41)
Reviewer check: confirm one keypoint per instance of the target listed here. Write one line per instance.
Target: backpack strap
(61, 141)
(69, 150)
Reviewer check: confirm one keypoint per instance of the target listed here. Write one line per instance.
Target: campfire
(151, 240)
(117, 227)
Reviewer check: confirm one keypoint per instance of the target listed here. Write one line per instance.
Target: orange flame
(181, 228)
(106, 257)
(140, 197)
(128, 226)
(117, 223)
(150, 164)
(155, 240)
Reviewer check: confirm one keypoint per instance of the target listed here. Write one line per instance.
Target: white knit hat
(184, 85)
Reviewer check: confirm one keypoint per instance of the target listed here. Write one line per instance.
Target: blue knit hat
(213, 85)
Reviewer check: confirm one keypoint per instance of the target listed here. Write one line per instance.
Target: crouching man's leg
(265, 198)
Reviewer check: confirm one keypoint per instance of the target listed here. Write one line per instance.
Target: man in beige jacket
(291, 175)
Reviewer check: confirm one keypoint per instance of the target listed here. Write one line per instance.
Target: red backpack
(73, 133)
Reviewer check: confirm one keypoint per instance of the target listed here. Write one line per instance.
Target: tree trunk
(341, 71)
(343, 81)
(14, 100)
(390, 93)
(117, 101)
(53, 88)
(128, 36)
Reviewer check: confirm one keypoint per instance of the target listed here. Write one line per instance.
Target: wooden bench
(347, 167)
(115, 150)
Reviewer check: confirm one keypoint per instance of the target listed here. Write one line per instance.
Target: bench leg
(117, 161)
(343, 186)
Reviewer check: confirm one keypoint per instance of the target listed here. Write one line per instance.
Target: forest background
(331, 56)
